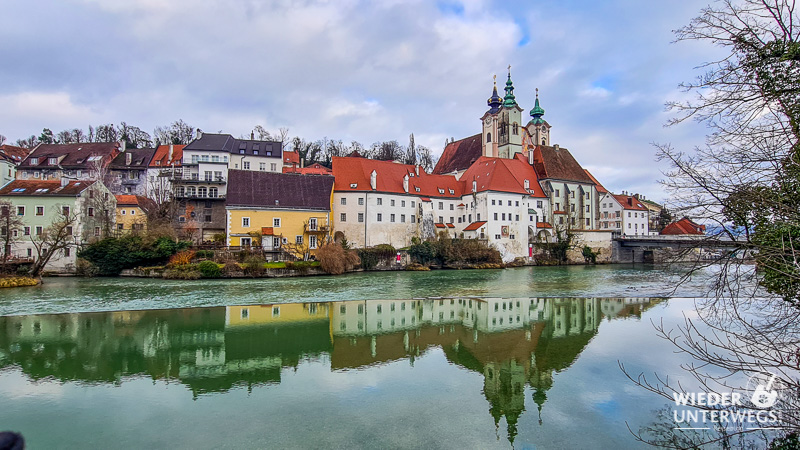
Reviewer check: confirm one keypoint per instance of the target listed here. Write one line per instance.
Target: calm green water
(460, 373)
(521, 358)
(107, 294)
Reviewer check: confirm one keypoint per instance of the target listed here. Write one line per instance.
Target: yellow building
(278, 313)
(279, 212)
(131, 213)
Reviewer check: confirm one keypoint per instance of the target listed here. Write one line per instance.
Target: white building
(624, 215)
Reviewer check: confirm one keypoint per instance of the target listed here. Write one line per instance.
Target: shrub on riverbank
(446, 251)
(114, 254)
(334, 259)
(371, 257)
(186, 272)
(10, 282)
(209, 269)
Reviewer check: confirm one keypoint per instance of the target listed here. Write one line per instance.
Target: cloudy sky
(357, 70)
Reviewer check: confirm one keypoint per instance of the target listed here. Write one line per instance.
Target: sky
(358, 70)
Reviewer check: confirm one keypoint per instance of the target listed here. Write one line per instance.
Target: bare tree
(55, 238)
(177, 133)
(106, 133)
(2, 139)
(10, 225)
(29, 142)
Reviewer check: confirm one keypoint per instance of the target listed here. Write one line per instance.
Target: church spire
(494, 101)
(537, 112)
(509, 99)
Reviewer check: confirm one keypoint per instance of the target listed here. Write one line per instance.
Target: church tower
(510, 127)
(538, 128)
(502, 123)
(490, 123)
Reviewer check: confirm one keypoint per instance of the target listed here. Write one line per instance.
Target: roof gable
(79, 156)
(629, 202)
(139, 159)
(558, 163)
(355, 174)
(502, 175)
(162, 158)
(684, 226)
(459, 155)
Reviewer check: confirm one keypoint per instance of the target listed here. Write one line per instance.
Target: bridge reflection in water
(512, 342)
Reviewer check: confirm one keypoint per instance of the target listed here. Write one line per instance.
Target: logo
(750, 409)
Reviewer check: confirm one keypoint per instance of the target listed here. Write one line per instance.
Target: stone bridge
(651, 249)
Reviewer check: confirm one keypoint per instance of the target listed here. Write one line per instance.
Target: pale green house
(88, 206)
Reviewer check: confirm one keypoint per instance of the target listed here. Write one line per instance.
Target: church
(571, 191)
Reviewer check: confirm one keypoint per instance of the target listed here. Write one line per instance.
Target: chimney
(416, 169)
(373, 179)
(199, 133)
(252, 136)
(555, 146)
(128, 159)
(302, 162)
(169, 158)
(405, 183)
(122, 145)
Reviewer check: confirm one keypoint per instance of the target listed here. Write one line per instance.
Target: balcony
(188, 196)
(194, 178)
(317, 228)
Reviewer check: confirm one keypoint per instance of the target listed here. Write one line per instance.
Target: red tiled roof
(354, 175)
(127, 200)
(502, 175)
(290, 158)
(630, 202)
(425, 199)
(74, 155)
(543, 225)
(439, 225)
(314, 169)
(13, 153)
(162, 159)
(474, 226)
(459, 155)
(600, 188)
(44, 188)
(450, 225)
(558, 164)
(684, 226)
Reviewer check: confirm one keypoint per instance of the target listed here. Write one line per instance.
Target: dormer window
(441, 191)
(94, 158)
(53, 161)
(255, 147)
(452, 192)
(255, 152)
(416, 188)
(353, 185)
(34, 161)
(527, 184)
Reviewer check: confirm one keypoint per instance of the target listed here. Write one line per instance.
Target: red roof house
(684, 226)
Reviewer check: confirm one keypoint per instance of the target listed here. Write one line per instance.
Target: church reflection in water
(513, 342)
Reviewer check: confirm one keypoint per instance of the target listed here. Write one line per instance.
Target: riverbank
(18, 281)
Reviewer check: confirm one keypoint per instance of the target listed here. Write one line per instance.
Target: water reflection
(512, 342)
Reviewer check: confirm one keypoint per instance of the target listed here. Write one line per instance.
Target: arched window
(516, 128)
(544, 142)
(488, 137)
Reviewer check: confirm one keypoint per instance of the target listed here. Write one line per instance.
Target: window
(509, 203)
(360, 217)
(572, 194)
(572, 208)
(246, 165)
(495, 216)
(558, 206)
(276, 242)
(412, 203)
(493, 202)
(34, 161)
(380, 217)
(97, 231)
(69, 231)
(276, 311)
(26, 231)
(403, 203)
(402, 218)
(391, 218)
(273, 167)
(246, 241)
(343, 201)
(39, 230)
(441, 205)
(360, 201)
(245, 222)
(441, 219)
(504, 216)
(91, 193)
(276, 222)
(515, 217)
(587, 222)
(391, 202)
(207, 218)
(451, 219)
(343, 217)
(212, 193)
(488, 137)
(91, 212)
(66, 252)
(451, 207)
(538, 203)
(380, 201)
(412, 218)
(497, 236)
(588, 208)
(298, 240)
(558, 193)
(20, 210)
(479, 217)
(262, 166)
(123, 212)
(312, 242)
(629, 213)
